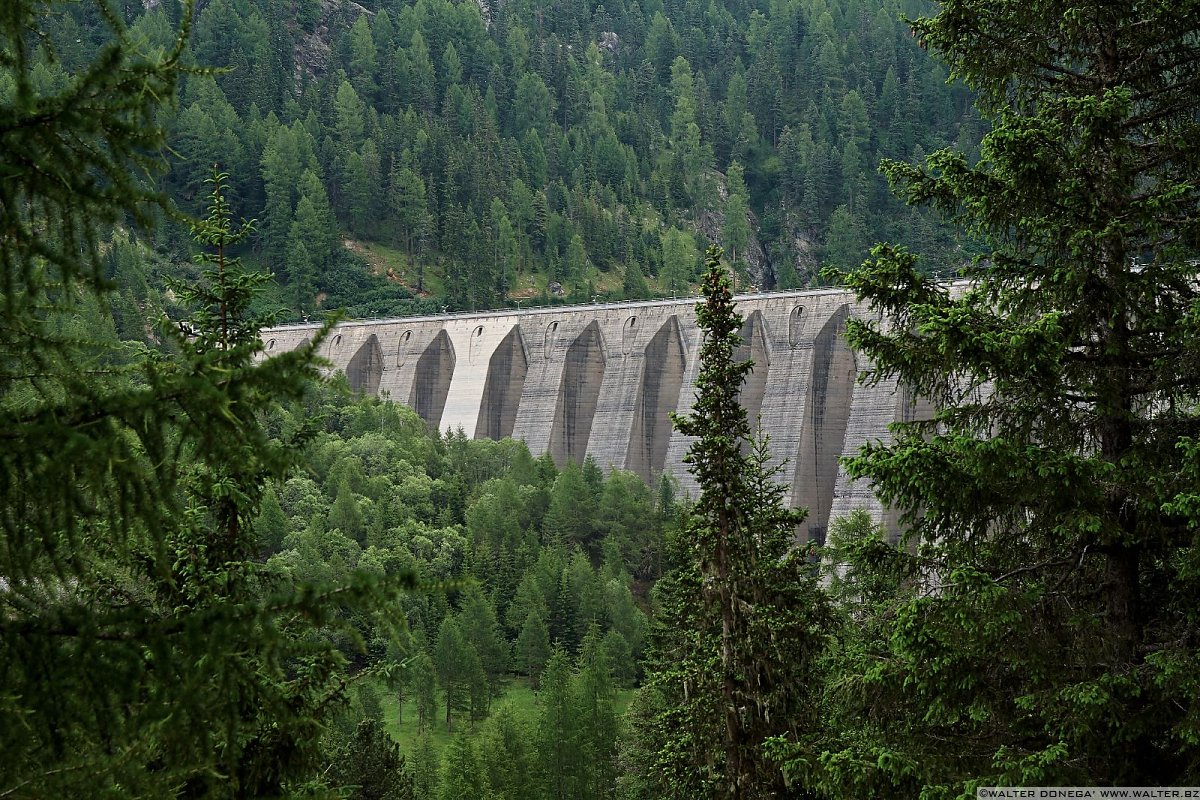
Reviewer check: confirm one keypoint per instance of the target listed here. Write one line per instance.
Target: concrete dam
(600, 380)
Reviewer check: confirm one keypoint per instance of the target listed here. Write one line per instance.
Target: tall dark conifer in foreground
(1046, 632)
(143, 649)
(743, 618)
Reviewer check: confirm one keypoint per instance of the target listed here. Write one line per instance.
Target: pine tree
(371, 763)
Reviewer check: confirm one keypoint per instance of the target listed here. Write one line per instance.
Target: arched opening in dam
(431, 381)
(583, 372)
(658, 395)
(827, 413)
(366, 367)
(502, 389)
(402, 346)
(754, 346)
(333, 346)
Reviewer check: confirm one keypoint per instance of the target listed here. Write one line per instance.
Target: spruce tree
(743, 619)
(1043, 632)
(370, 763)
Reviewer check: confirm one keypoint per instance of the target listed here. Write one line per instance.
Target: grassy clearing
(382, 258)
(518, 696)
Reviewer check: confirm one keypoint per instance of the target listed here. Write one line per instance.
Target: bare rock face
(311, 55)
(609, 42)
(711, 221)
(803, 250)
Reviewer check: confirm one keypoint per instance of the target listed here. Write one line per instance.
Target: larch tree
(599, 725)
(736, 230)
(143, 648)
(463, 776)
(1044, 629)
(559, 731)
(456, 662)
(532, 648)
(506, 748)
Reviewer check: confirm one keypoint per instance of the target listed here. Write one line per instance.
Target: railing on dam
(507, 311)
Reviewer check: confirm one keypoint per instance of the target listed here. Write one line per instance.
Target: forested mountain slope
(479, 152)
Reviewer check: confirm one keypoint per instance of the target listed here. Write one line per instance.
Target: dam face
(600, 381)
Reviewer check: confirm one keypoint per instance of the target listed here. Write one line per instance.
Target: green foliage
(472, 514)
(743, 619)
(572, 508)
(462, 774)
(457, 665)
(558, 731)
(1034, 630)
(680, 258)
(145, 649)
(508, 757)
(613, 120)
(481, 631)
(532, 648)
(597, 718)
(736, 232)
(424, 688)
(370, 763)
(425, 769)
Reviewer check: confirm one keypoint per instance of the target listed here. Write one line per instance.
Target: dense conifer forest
(226, 575)
(470, 156)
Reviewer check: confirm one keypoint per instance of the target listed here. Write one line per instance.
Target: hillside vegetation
(496, 150)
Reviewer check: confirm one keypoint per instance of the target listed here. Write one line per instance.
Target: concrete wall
(600, 380)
